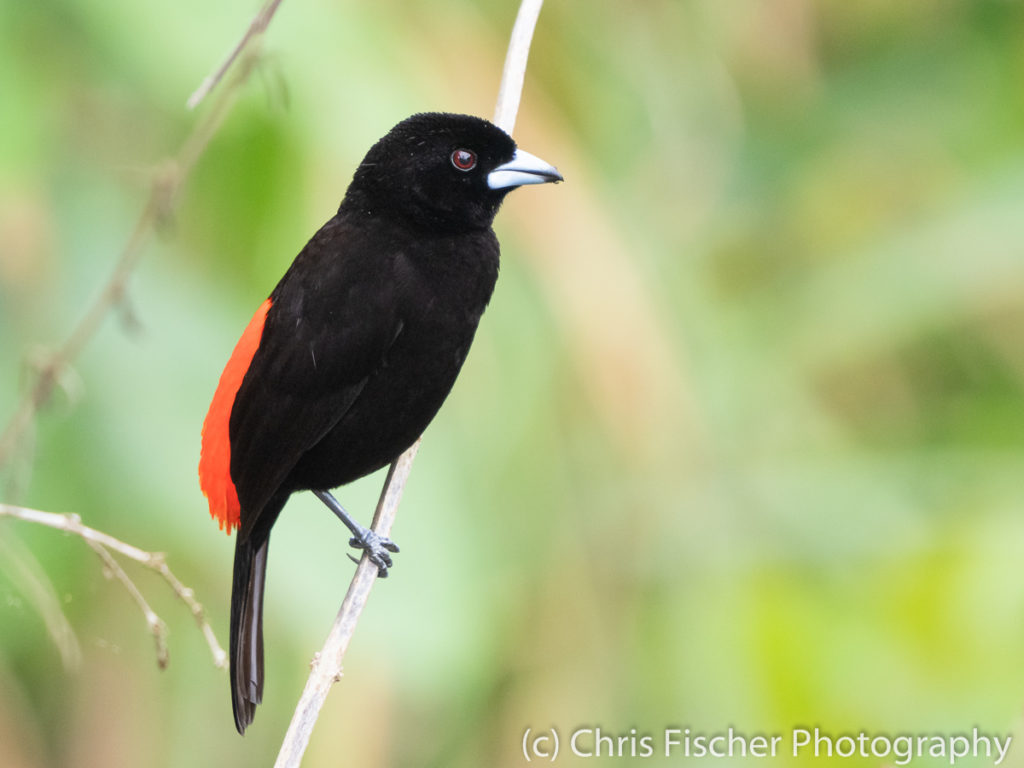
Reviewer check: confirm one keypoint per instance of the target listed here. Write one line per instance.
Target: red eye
(464, 160)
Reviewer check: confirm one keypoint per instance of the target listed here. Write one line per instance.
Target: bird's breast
(439, 298)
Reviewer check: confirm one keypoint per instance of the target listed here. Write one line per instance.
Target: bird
(351, 356)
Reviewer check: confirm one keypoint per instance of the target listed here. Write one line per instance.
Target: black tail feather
(246, 640)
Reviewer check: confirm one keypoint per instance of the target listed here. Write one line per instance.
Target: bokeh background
(740, 441)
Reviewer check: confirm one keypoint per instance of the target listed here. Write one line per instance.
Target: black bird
(355, 350)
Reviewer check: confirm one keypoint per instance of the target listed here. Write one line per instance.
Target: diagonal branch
(163, 197)
(256, 28)
(326, 668)
(327, 665)
(103, 544)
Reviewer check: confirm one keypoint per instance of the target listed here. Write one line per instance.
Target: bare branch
(51, 370)
(514, 74)
(159, 207)
(256, 27)
(103, 543)
(326, 668)
(327, 665)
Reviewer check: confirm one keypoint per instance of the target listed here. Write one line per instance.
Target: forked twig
(103, 543)
(156, 625)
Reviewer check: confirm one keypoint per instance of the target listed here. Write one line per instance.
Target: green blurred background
(740, 440)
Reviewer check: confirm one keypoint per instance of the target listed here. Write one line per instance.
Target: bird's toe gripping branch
(377, 548)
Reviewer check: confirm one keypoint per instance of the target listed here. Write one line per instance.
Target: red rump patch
(215, 455)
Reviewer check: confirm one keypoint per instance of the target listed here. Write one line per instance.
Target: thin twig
(327, 666)
(159, 207)
(51, 371)
(156, 625)
(103, 543)
(256, 27)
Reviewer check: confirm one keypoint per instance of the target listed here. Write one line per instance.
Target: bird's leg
(377, 547)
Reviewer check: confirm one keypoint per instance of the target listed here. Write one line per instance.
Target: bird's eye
(464, 159)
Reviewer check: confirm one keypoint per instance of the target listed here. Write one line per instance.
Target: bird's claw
(377, 548)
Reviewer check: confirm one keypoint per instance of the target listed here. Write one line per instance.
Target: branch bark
(326, 668)
(103, 543)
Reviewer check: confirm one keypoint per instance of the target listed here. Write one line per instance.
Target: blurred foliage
(739, 443)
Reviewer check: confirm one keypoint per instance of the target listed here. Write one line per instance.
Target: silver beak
(523, 168)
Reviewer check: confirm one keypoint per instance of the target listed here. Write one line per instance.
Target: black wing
(332, 319)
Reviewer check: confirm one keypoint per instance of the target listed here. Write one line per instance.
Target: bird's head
(445, 172)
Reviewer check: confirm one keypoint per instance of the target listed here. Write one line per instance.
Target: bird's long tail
(247, 629)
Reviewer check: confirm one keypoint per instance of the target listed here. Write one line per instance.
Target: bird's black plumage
(364, 337)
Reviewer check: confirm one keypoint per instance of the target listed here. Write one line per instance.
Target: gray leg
(376, 547)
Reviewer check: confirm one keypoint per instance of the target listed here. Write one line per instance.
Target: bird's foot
(376, 547)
